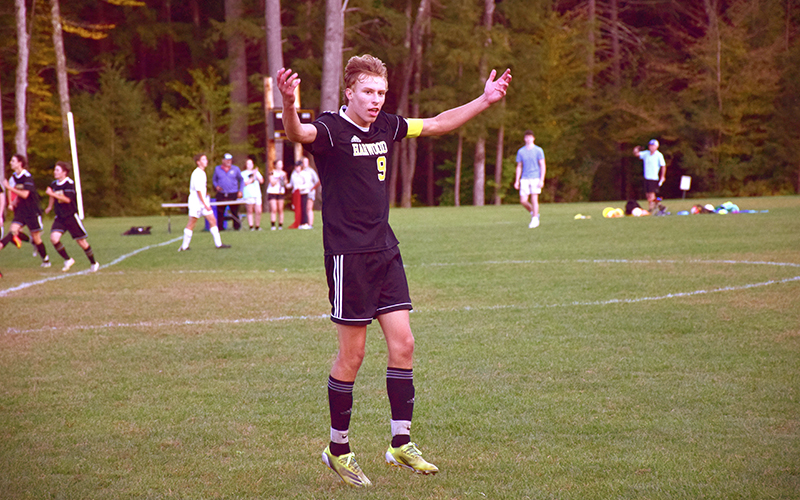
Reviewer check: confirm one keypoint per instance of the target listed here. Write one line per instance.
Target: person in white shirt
(199, 205)
(313, 181)
(276, 191)
(655, 171)
(252, 194)
(301, 182)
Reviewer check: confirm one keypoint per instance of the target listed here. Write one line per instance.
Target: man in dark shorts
(64, 198)
(352, 150)
(27, 211)
(655, 171)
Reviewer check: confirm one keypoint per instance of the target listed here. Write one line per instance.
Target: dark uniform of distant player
(366, 279)
(27, 211)
(64, 197)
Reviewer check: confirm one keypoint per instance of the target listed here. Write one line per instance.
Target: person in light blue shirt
(655, 171)
(229, 184)
(530, 176)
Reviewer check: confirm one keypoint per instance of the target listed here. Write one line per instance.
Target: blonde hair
(360, 66)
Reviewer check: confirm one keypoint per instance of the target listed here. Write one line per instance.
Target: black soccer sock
(42, 251)
(6, 240)
(89, 254)
(61, 250)
(340, 403)
(400, 388)
(23, 237)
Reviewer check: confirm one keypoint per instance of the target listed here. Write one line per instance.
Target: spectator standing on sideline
(352, 150)
(27, 211)
(276, 192)
(313, 181)
(199, 205)
(228, 184)
(64, 198)
(530, 176)
(252, 194)
(302, 183)
(2, 211)
(655, 171)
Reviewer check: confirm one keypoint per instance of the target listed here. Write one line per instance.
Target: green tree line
(716, 81)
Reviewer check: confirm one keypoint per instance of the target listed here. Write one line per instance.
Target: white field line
(167, 324)
(29, 284)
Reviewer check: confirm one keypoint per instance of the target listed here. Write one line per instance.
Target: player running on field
(64, 198)
(199, 206)
(366, 279)
(27, 211)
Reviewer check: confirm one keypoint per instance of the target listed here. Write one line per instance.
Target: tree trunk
(2, 141)
(457, 182)
(274, 46)
(498, 165)
(400, 159)
(238, 79)
(332, 55)
(21, 139)
(272, 15)
(479, 164)
(423, 15)
(61, 66)
(590, 53)
(616, 55)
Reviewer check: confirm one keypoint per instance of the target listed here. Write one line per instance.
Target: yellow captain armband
(414, 127)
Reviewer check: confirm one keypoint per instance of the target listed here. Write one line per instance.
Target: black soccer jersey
(26, 206)
(66, 188)
(353, 167)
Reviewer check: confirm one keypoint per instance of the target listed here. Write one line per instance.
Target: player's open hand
(287, 82)
(494, 90)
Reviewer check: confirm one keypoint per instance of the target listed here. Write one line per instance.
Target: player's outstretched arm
(297, 132)
(449, 120)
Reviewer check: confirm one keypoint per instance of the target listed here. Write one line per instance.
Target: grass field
(652, 357)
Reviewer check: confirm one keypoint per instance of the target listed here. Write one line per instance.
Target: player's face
(366, 99)
(202, 162)
(652, 148)
(16, 165)
(249, 165)
(59, 173)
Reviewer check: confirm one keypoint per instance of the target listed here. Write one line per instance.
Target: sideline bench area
(169, 206)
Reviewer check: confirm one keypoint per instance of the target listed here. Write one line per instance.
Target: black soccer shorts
(72, 224)
(33, 221)
(363, 286)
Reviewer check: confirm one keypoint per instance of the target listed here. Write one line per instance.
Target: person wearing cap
(655, 171)
(229, 184)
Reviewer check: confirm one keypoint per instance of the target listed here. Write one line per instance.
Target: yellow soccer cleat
(410, 457)
(346, 467)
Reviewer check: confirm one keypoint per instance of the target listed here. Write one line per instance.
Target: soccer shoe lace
(410, 457)
(346, 467)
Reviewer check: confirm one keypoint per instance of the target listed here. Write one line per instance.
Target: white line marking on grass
(165, 324)
(116, 261)
(242, 321)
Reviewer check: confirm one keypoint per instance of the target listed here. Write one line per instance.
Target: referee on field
(366, 280)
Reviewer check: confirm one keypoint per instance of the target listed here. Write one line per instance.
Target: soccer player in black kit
(64, 198)
(27, 211)
(366, 279)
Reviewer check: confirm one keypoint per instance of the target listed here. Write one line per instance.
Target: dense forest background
(152, 82)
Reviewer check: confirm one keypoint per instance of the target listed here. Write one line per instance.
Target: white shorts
(253, 200)
(528, 187)
(198, 211)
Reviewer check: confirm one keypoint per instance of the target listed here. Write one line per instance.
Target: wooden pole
(268, 107)
(298, 148)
